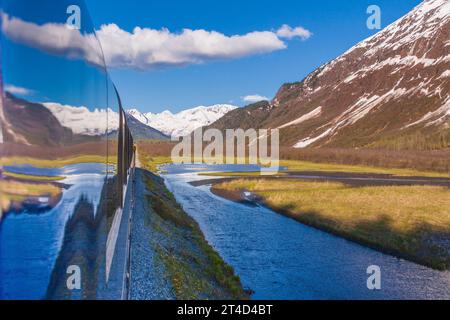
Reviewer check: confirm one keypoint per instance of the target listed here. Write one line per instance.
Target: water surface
(32, 237)
(279, 258)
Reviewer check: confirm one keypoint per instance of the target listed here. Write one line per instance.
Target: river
(279, 258)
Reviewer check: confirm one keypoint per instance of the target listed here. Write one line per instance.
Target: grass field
(56, 163)
(17, 191)
(428, 161)
(296, 165)
(27, 177)
(28, 189)
(153, 163)
(409, 221)
(377, 161)
(237, 174)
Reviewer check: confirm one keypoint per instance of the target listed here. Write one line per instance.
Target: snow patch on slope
(423, 22)
(316, 112)
(355, 113)
(435, 117)
(408, 51)
(445, 74)
(308, 141)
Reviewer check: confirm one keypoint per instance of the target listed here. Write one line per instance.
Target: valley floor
(395, 202)
(408, 220)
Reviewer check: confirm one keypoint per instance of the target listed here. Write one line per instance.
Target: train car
(66, 158)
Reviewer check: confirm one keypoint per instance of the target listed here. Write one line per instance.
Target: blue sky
(336, 26)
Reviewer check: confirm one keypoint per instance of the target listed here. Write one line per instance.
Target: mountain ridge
(141, 131)
(391, 90)
(28, 123)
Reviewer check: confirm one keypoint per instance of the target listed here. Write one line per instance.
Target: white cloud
(146, 48)
(289, 33)
(17, 90)
(254, 98)
(54, 38)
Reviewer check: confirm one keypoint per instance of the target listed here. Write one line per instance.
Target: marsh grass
(376, 161)
(153, 164)
(425, 161)
(237, 174)
(56, 163)
(20, 188)
(297, 165)
(27, 177)
(12, 190)
(306, 166)
(412, 222)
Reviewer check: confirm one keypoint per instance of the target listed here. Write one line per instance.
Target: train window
(64, 155)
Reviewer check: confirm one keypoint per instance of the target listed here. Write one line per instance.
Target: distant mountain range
(99, 122)
(54, 124)
(391, 91)
(83, 121)
(147, 126)
(184, 122)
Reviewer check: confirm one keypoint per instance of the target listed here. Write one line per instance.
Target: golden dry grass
(306, 166)
(28, 189)
(297, 165)
(17, 191)
(428, 161)
(410, 221)
(402, 163)
(56, 163)
(153, 163)
(28, 177)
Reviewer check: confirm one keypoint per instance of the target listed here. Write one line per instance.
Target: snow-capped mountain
(142, 131)
(391, 90)
(98, 122)
(83, 121)
(136, 114)
(184, 122)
